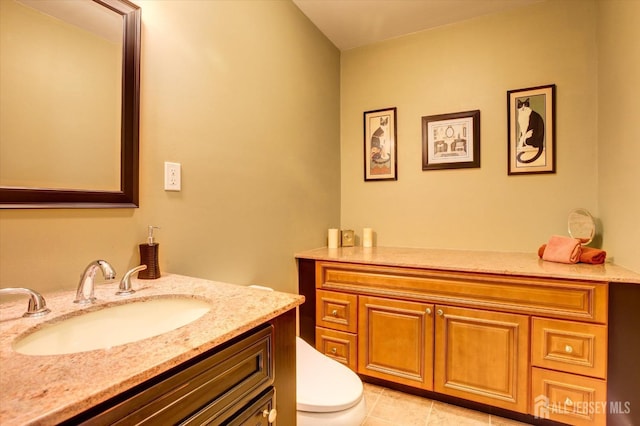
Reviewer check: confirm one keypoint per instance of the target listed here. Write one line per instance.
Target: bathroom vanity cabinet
(534, 344)
(235, 365)
(232, 384)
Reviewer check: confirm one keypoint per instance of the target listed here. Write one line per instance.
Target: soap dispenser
(149, 257)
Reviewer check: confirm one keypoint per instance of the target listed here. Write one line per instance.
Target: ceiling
(354, 23)
(87, 15)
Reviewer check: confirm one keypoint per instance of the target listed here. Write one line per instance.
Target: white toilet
(329, 393)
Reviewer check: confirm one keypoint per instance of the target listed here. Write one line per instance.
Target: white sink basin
(112, 326)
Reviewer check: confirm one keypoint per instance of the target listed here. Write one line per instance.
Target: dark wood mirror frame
(127, 197)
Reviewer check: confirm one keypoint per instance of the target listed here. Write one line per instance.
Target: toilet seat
(323, 384)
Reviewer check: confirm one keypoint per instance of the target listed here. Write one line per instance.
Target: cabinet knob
(334, 351)
(440, 312)
(334, 312)
(568, 349)
(568, 402)
(270, 415)
(428, 311)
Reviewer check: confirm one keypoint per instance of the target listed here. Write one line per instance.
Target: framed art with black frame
(380, 145)
(531, 130)
(451, 141)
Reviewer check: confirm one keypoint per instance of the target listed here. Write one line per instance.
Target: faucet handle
(125, 283)
(37, 305)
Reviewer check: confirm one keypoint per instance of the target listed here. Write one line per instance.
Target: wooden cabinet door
(482, 356)
(395, 341)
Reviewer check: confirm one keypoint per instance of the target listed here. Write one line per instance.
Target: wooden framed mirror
(79, 149)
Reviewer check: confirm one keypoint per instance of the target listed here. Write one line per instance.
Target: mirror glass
(581, 225)
(69, 77)
(44, 45)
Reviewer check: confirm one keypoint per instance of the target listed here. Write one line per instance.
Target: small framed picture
(451, 141)
(531, 130)
(380, 145)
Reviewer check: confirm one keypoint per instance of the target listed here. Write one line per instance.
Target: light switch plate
(172, 179)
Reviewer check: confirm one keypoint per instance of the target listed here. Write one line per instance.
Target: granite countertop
(504, 263)
(50, 389)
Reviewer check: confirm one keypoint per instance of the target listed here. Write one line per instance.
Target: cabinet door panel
(482, 356)
(259, 413)
(395, 341)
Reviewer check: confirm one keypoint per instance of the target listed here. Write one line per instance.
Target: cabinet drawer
(570, 346)
(260, 412)
(338, 345)
(206, 388)
(559, 298)
(338, 311)
(568, 398)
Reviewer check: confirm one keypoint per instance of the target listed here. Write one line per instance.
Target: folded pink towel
(593, 255)
(589, 255)
(562, 249)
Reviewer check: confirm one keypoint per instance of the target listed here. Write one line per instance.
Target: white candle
(333, 238)
(367, 237)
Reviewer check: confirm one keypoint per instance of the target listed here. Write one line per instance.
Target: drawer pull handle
(270, 415)
(334, 351)
(334, 312)
(568, 402)
(440, 312)
(568, 349)
(428, 311)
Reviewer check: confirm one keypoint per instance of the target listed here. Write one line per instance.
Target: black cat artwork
(379, 147)
(531, 131)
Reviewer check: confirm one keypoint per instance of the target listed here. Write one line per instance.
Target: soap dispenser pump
(149, 257)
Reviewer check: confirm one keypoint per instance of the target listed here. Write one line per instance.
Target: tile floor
(387, 407)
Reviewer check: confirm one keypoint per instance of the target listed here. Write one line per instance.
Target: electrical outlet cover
(172, 178)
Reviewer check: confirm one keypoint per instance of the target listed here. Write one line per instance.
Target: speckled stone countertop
(50, 389)
(504, 263)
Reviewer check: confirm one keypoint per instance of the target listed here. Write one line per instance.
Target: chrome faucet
(84, 294)
(125, 287)
(37, 305)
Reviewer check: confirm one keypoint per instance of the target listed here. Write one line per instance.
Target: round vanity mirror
(581, 225)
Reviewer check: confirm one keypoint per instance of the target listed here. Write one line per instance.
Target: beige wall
(245, 95)
(618, 129)
(253, 117)
(469, 66)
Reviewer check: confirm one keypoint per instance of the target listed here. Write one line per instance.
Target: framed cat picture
(531, 128)
(380, 145)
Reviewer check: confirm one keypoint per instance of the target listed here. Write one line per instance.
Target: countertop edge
(484, 262)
